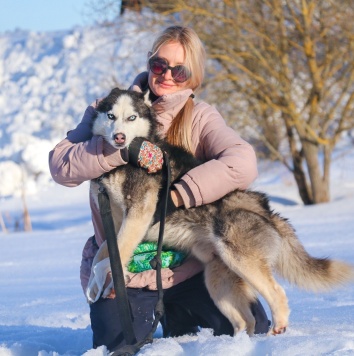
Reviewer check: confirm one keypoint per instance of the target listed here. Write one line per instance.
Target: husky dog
(240, 240)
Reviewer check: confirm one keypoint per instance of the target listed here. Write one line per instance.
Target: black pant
(188, 306)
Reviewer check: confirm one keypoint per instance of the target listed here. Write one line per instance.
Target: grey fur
(239, 238)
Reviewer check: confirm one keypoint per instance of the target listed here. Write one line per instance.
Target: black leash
(132, 346)
(116, 267)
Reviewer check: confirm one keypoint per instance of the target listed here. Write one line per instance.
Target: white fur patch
(123, 110)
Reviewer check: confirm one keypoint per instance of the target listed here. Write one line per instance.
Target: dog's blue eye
(132, 118)
(110, 116)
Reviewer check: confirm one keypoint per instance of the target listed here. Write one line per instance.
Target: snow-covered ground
(46, 81)
(43, 310)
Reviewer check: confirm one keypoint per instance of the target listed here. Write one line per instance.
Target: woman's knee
(105, 321)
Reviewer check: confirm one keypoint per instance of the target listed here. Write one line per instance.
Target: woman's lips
(165, 84)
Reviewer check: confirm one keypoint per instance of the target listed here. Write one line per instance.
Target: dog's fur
(239, 238)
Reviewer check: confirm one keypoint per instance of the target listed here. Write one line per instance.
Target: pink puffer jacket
(230, 164)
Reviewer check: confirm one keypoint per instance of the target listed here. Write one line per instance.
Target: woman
(175, 70)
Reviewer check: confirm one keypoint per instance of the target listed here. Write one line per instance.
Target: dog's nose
(119, 138)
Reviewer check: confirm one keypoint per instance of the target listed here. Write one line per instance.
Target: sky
(42, 15)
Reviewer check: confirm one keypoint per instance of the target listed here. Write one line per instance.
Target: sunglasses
(160, 66)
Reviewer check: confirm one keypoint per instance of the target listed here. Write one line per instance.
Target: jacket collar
(168, 106)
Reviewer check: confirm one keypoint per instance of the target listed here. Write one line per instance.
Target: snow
(43, 310)
(47, 81)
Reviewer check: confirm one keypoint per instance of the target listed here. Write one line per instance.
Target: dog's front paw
(98, 284)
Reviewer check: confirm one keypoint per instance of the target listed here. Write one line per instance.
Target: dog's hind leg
(231, 294)
(249, 245)
(258, 274)
(264, 282)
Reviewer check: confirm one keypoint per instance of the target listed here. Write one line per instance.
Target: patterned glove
(146, 155)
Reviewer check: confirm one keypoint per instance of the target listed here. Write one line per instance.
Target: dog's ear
(104, 106)
(116, 91)
(107, 103)
(147, 100)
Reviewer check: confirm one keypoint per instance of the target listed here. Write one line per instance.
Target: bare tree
(2, 224)
(27, 224)
(284, 70)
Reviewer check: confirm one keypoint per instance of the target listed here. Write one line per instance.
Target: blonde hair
(180, 131)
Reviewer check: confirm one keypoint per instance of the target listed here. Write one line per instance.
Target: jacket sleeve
(230, 162)
(88, 254)
(79, 157)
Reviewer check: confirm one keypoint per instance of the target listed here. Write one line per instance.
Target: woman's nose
(168, 75)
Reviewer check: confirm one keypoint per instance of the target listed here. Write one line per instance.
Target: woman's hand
(146, 279)
(176, 198)
(146, 155)
(96, 103)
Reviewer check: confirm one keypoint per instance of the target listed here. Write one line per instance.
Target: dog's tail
(298, 267)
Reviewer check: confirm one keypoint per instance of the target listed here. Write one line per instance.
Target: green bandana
(146, 251)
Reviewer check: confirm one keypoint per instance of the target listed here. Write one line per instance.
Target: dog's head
(124, 115)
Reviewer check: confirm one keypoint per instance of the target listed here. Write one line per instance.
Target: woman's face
(163, 84)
